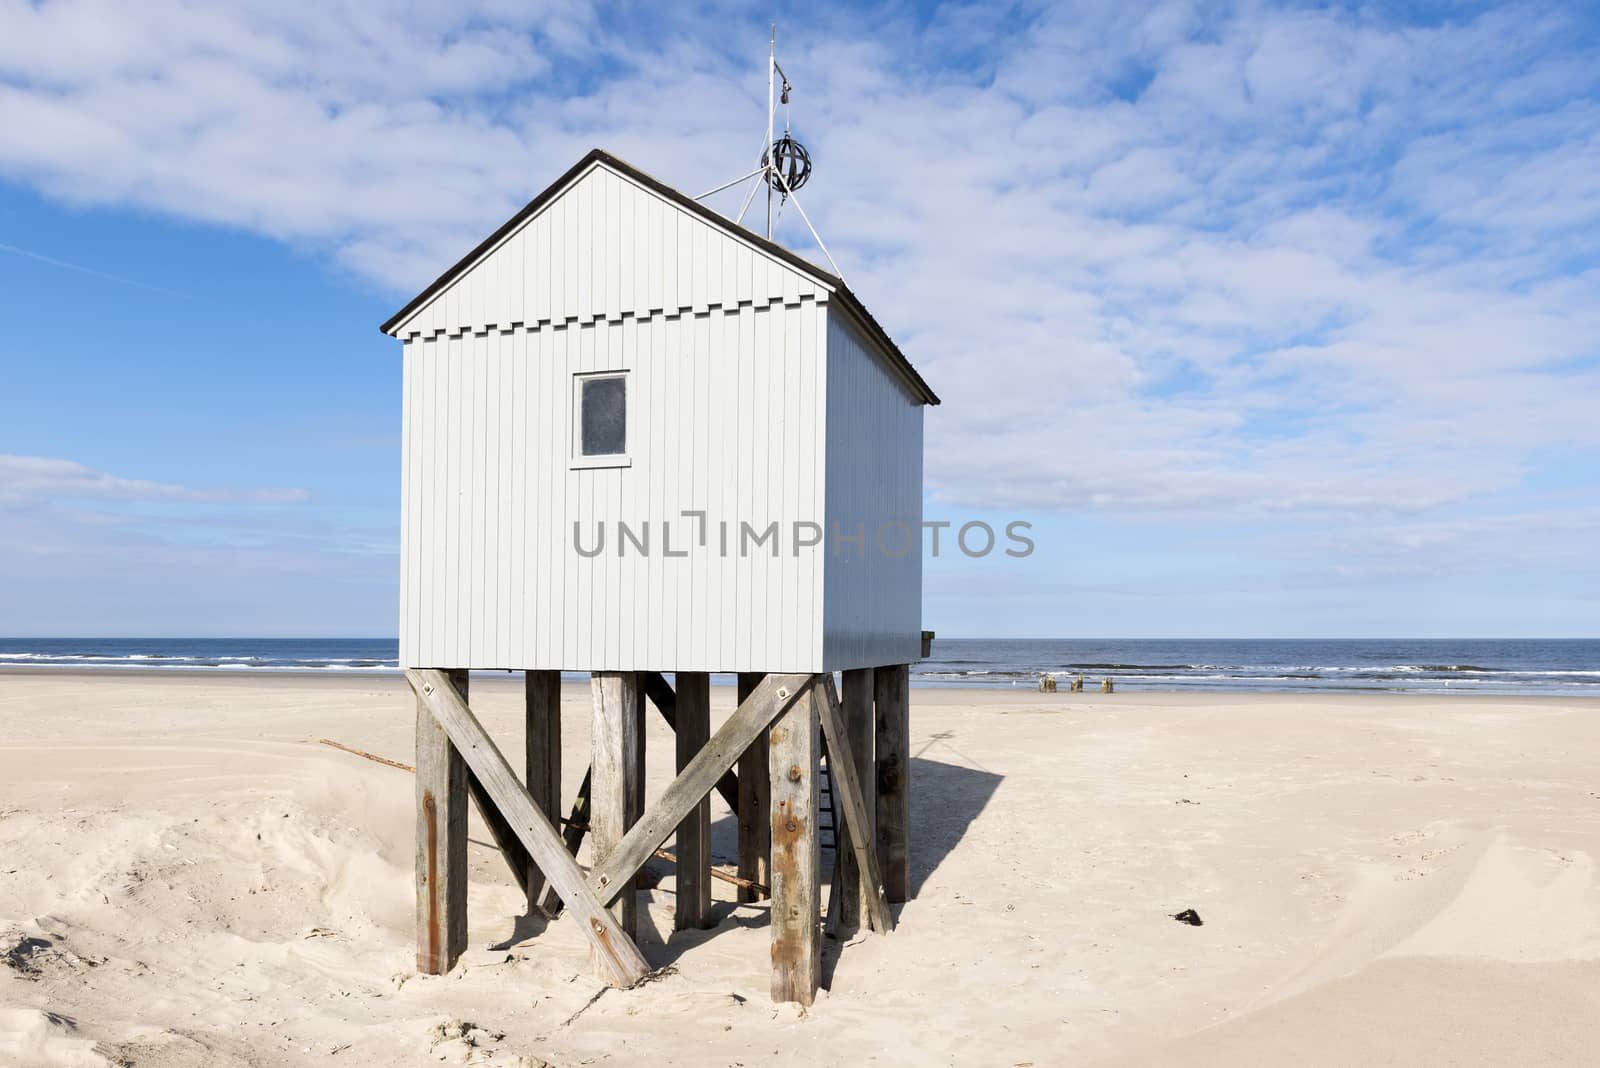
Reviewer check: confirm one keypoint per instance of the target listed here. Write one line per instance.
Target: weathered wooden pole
(636, 807)
(542, 713)
(441, 868)
(616, 755)
(755, 834)
(847, 905)
(619, 960)
(693, 726)
(892, 710)
(794, 748)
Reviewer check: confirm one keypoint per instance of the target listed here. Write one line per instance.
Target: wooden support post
(661, 695)
(738, 732)
(847, 794)
(693, 725)
(636, 779)
(572, 837)
(623, 964)
(616, 752)
(892, 708)
(542, 713)
(794, 748)
(441, 870)
(846, 906)
(505, 839)
(755, 831)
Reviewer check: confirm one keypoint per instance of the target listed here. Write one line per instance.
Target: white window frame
(580, 462)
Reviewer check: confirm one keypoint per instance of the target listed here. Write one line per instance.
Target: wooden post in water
(616, 757)
(693, 726)
(542, 714)
(441, 864)
(793, 753)
(892, 709)
(755, 834)
(847, 905)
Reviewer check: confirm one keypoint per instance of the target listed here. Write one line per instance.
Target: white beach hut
(641, 440)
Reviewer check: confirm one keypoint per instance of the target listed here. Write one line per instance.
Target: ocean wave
(197, 663)
(1132, 667)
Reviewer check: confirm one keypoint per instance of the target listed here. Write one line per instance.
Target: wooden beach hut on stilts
(642, 442)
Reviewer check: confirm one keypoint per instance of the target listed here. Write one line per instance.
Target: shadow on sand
(945, 800)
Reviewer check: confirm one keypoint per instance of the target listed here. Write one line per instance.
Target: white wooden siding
(604, 248)
(749, 399)
(872, 602)
(724, 416)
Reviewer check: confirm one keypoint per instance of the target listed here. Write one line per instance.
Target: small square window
(605, 417)
(600, 415)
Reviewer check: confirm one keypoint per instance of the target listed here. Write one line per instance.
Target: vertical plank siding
(493, 578)
(606, 247)
(748, 400)
(872, 600)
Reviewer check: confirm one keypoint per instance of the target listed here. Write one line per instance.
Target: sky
(1273, 320)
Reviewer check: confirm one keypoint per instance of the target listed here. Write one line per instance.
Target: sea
(1563, 667)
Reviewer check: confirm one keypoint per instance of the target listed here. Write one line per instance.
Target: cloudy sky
(1274, 320)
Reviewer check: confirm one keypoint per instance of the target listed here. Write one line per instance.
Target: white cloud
(1158, 256)
(43, 479)
(87, 551)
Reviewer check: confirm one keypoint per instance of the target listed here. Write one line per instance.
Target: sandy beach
(188, 878)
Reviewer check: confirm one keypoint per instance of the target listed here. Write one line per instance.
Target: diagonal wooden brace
(665, 699)
(755, 714)
(511, 848)
(623, 962)
(848, 795)
(572, 835)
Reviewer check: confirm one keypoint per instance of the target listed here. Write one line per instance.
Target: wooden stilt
(755, 834)
(636, 776)
(621, 962)
(505, 839)
(572, 837)
(846, 906)
(847, 794)
(751, 719)
(542, 712)
(893, 722)
(660, 694)
(441, 870)
(615, 757)
(578, 822)
(793, 751)
(693, 726)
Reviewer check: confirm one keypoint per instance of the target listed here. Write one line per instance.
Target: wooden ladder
(829, 836)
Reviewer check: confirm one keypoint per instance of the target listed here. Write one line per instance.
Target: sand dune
(187, 878)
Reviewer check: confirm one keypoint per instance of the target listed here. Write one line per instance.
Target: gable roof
(919, 388)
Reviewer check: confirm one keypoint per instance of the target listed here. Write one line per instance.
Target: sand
(188, 878)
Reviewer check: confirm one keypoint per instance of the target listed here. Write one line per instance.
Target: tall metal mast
(766, 155)
(777, 157)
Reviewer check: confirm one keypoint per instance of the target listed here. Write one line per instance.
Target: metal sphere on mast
(788, 158)
(785, 165)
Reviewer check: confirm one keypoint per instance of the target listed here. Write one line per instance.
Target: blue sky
(1273, 319)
